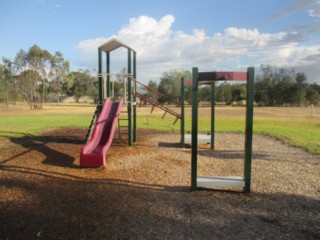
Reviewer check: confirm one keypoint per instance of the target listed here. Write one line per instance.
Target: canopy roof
(113, 44)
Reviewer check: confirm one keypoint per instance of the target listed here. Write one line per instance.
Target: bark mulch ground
(144, 192)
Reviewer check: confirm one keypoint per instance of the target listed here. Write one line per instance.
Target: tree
(205, 94)
(8, 78)
(275, 86)
(238, 92)
(40, 60)
(166, 87)
(2, 82)
(264, 91)
(27, 84)
(152, 95)
(301, 80)
(223, 93)
(312, 95)
(67, 84)
(170, 84)
(81, 84)
(59, 71)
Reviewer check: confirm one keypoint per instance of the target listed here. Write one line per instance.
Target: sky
(212, 35)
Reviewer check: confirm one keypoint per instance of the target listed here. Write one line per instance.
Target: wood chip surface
(144, 192)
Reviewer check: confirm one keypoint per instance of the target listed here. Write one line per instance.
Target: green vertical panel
(135, 98)
(249, 129)
(182, 113)
(100, 76)
(212, 113)
(108, 74)
(194, 136)
(129, 101)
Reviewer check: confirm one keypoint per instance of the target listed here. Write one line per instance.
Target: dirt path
(144, 193)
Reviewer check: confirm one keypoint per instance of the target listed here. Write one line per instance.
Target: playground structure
(98, 143)
(209, 78)
(102, 127)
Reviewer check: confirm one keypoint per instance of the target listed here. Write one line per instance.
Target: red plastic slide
(93, 154)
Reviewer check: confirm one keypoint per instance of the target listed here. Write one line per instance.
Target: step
(202, 138)
(220, 181)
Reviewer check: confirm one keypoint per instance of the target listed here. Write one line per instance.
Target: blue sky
(169, 34)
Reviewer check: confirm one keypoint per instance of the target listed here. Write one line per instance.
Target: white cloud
(159, 48)
(87, 50)
(315, 11)
(296, 6)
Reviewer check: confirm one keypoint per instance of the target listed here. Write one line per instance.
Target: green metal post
(108, 76)
(129, 100)
(249, 129)
(182, 113)
(212, 113)
(134, 98)
(194, 136)
(100, 76)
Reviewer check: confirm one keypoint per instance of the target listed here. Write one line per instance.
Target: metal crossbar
(156, 104)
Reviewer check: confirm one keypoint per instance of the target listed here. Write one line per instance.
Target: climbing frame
(200, 78)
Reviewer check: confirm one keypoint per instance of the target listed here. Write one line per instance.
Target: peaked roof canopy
(113, 44)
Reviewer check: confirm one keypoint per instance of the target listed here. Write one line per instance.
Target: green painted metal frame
(182, 128)
(108, 74)
(248, 127)
(129, 100)
(132, 66)
(213, 92)
(194, 135)
(134, 97)
(100, 76)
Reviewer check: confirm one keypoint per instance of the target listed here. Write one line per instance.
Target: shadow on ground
(50, 146)
(55, 201)
(79, 208)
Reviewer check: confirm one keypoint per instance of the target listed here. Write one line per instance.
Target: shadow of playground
(82, 208)
(49, 147)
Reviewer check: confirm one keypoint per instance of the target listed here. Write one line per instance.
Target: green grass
(302, 132)
(16, 126)
(299, 132)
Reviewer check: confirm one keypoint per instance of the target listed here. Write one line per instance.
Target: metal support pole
(100, 76)
(194, 137)
(129, 100)
(108, 74)
(134, 98)
(249, 129)
(182, 113)
(212, 114)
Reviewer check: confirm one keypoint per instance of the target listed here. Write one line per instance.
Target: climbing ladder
(93, 122)
(123, 124)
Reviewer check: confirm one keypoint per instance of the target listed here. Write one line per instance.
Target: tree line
(273, 87)
(37, 76)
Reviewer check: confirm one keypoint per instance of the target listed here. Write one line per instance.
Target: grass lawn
(293, 125)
